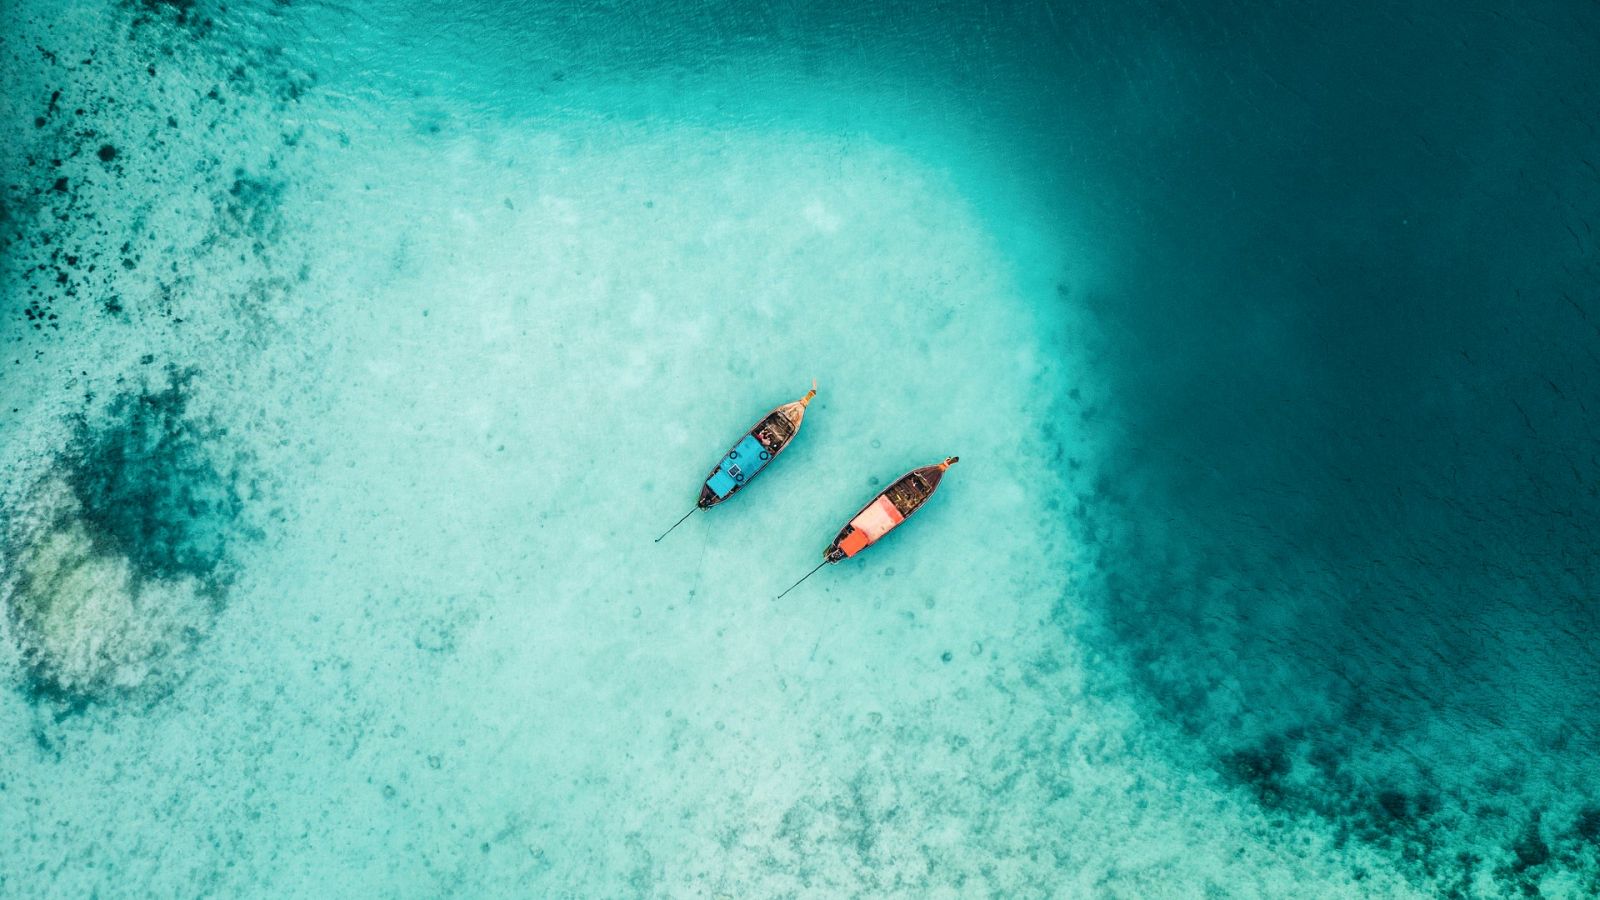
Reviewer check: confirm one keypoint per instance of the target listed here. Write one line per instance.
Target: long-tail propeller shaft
(802, 580)
(676, 524)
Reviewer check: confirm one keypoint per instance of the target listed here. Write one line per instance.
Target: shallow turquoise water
(355, 354)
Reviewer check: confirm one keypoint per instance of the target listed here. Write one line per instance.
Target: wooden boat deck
(780, 427)
(909, 493)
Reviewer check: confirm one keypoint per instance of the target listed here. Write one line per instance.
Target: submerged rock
(88, 623)
(119, 564)
(150, 486)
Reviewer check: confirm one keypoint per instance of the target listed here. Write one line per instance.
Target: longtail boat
(758, 448)
(885, 513)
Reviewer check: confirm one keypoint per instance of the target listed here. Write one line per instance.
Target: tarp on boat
(740, 465)
(870, 524)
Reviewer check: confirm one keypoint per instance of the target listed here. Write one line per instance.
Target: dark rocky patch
(183, 14)
(1530, 849)
(123, 558)
(1261, 768)
(149, 487)
(1394, 804)
(1304, 772)
(1587, 826)
(250, 209)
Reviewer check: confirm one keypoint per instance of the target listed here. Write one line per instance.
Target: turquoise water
(354, 355)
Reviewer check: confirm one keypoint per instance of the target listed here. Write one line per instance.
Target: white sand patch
(821, 218)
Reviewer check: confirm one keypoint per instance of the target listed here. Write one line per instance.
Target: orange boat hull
(887, 510)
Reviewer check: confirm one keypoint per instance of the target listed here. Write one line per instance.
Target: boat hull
(885, 512)
(753, 452)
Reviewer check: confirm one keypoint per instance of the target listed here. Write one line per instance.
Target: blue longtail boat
(753, 453)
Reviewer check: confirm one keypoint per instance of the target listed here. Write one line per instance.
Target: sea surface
(353, 354)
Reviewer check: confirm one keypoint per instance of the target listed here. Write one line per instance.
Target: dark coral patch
(121, 559)
(149, 487)
(1261, 768)
(251, 209)
(1587, 826)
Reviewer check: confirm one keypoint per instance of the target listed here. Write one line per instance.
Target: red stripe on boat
(855, 543)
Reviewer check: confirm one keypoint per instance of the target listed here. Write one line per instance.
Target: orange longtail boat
(885, 513)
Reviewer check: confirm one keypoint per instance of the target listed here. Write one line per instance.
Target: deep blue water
(355, 352)
(1345, 534)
